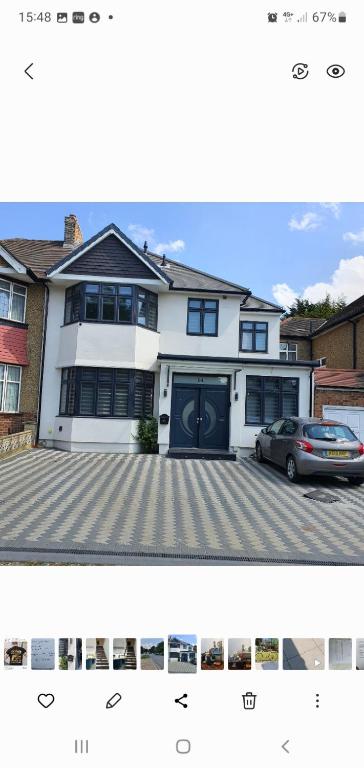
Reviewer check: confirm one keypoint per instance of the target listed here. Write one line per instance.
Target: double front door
(200, 415)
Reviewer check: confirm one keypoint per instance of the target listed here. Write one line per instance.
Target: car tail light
(303, 445)
(361, 449)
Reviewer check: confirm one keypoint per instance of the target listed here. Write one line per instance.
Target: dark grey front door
(200, 417)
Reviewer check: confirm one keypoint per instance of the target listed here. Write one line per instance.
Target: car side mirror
(264, 430)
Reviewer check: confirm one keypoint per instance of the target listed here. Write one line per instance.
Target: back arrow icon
(284, 746)
(26, 71)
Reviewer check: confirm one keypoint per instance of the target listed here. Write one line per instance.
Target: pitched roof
(348, 313)
(37, 255)
(301, 327)
(345, 378)
(43, 256)
(185, 277)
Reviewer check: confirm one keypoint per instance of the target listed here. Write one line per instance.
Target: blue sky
(278, 250)
(192, 639)
(147, 642)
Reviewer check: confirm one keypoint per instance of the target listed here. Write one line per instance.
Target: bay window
(110, 303)
(106, 392)
(10, 378)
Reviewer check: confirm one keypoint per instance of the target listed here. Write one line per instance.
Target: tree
(324, 308)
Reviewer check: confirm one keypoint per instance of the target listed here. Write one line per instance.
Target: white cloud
(284, 295)
(347, 280)
(173, 246)
(140, 234)
(335, 208)
(354, 237)
(307, 222)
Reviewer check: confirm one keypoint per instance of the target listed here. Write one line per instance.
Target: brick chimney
(72, 231)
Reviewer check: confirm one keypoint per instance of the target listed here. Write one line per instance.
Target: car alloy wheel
(291, 470)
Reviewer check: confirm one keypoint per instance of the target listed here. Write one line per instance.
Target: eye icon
(335, 70)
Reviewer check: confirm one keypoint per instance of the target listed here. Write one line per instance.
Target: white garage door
(353, 417)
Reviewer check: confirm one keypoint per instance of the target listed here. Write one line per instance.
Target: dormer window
(110, 303)
(12, 301)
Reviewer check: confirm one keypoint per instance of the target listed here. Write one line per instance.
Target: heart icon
(46, 699)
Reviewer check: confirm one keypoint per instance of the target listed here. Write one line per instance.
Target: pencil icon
(113, 701)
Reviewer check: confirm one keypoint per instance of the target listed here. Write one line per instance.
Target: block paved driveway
(136, 506)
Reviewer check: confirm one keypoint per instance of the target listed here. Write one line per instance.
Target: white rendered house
(131, 334)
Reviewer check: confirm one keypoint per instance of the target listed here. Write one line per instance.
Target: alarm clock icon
(94, 17)
(272, 17)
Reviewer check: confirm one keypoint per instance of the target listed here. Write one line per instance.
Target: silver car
(312, 447)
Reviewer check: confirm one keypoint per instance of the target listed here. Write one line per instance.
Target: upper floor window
(288, 351)
(202, 317)
(253, 337)
(12, 301)
(10, 377)
(109, 303)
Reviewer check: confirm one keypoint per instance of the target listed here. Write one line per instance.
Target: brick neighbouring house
(23, 307)
(339, 343)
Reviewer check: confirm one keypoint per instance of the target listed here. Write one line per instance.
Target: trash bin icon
(249, 700)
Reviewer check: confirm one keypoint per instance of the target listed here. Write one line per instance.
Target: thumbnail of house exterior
(113, 333)
(179, 650)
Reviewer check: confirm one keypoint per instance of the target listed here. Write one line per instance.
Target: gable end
(111, 258)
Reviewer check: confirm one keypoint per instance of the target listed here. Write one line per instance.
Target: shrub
(147, 435)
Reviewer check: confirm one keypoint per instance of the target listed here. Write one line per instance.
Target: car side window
(289, 428)
(275, 427)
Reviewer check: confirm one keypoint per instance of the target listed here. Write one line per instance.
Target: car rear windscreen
(329, 432)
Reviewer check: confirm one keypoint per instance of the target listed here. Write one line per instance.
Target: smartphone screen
(181, 383)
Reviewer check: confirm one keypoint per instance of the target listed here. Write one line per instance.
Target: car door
(271, 437)
(282, 444)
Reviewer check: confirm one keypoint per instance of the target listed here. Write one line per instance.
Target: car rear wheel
(291, 470)
(356, 480)
(259, 453)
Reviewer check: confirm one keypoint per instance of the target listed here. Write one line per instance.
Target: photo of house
(124, 653)
(15, 653)
(70, 653)
(97, 653)
(266, 653)
(212, 654)
(125, 354)
(182, 653)
(240, 653)
(152, 653)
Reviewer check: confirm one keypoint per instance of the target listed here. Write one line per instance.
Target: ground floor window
(10, 378)
(269, 398)
(106, 392)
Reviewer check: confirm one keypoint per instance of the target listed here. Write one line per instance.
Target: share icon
(182, 703)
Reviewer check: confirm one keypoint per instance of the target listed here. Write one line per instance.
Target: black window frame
(255, 332)
(202, 310)
(138, 386)
(76, 298)
(261, 389)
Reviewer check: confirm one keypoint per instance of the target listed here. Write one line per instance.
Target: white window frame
(11, 292)
(5, 386)
(287, 344)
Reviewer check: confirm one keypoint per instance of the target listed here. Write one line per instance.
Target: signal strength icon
(304, 17)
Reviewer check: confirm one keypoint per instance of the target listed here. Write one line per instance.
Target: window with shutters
(106, 392)
(269, 398)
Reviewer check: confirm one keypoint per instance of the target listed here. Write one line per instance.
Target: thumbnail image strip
(212, 654)
(182, 653)
(152, 653)
(240, 653)
(15, 654)
(124, 653)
